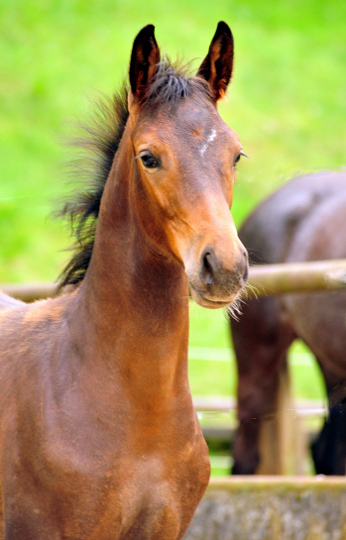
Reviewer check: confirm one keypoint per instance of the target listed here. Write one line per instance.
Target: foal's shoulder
(14, 312)
(7, 302)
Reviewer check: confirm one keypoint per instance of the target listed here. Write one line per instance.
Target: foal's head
(164, 143)
(185, 160)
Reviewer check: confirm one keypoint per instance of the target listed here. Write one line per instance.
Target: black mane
(99, 144)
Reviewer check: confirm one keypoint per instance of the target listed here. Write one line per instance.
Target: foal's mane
(99, 144)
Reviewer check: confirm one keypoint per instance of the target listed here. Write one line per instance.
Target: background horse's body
(302, 221)
(99, 438)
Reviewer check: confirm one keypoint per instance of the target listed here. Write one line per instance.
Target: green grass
(287, 101)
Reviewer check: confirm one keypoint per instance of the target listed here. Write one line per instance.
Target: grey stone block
(271, 508)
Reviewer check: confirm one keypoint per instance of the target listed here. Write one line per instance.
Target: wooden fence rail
(29, 292)
(267, 280)
(276, 279)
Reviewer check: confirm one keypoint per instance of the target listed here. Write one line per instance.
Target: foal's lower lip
(213, 302)
(218, 302)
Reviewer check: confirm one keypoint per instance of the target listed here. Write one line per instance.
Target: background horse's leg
(329, 449)
(261, 338)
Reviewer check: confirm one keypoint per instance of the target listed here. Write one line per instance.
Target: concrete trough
(271, 508)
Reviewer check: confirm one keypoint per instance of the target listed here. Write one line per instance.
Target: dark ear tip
(223, 28)
(148, 28)
(146, 32)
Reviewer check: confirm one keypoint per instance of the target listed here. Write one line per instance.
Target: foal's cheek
(165, 198)
(228, 176)
(230, 199)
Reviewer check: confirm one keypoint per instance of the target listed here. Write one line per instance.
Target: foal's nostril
(245, 273)
(217, 278)
(207, 270)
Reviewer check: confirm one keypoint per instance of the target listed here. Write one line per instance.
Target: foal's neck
(134, 298)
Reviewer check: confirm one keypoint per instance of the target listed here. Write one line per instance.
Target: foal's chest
(123, 487)
(161, 496)
(155, 495)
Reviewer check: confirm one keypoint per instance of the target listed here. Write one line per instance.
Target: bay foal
(99, 438)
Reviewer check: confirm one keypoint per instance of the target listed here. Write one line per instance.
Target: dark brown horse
(99, 438)
(302, 221)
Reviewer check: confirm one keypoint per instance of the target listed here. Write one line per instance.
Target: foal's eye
(238, 157)
(148, 160)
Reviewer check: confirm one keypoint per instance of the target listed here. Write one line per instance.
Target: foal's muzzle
(217, 284)
(215, 277)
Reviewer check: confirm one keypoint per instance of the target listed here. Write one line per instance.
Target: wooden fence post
(283, 447)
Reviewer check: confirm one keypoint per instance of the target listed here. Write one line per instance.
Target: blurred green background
(287, 101)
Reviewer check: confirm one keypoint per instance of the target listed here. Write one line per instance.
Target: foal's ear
(144, 57)
(217, 66)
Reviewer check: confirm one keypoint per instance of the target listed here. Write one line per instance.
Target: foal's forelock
(171, 83)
